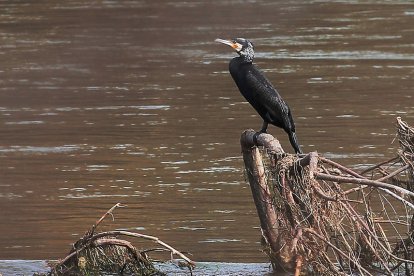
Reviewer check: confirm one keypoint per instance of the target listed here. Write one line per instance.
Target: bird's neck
(237, 66)
(247, 54)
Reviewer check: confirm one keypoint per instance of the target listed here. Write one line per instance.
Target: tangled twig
(106, 252)
(347, 222)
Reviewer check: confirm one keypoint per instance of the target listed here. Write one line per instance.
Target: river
(131, 101)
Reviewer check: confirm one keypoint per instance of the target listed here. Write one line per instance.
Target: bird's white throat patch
(247, 53)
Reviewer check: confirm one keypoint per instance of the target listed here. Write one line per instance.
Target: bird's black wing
(276, 111)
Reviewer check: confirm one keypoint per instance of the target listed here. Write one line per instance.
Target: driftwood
(261, 191)
(320, 217)
(105, 252)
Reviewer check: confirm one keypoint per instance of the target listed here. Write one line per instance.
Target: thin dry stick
(336, 249)
(147, 237)
(373, 183)
(355, 189)
(362, 181)
(341, 167)
(379, 165)
(353, 213)
(393, 173)
(112, 241)
(109, 212)
(398, 197)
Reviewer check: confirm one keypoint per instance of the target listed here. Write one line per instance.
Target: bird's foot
(255, 136)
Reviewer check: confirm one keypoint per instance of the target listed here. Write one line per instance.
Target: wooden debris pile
(105, 253)
(405, 135)
(320, 217)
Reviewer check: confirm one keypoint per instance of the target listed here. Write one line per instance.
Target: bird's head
(242, 46)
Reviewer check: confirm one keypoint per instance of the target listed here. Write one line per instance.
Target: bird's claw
(255, 136)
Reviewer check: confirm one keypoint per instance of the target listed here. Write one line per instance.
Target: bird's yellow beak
(236, 46)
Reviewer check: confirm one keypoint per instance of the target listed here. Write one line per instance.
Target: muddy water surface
(105, 101)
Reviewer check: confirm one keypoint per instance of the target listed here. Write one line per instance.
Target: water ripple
(34, 149)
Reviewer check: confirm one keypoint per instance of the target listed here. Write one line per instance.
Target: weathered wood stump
(278, 247)
(320, 217)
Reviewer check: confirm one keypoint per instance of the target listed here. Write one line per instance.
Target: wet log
(250, 140)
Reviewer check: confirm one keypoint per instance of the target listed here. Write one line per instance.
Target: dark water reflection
(106, 101)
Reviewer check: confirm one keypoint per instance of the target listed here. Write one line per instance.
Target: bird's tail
(294, 142)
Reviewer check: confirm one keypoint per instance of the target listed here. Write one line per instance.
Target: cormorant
(258, 90)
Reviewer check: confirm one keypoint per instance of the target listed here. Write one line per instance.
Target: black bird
(258, 90)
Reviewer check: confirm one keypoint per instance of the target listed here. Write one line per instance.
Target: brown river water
(131, 101)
